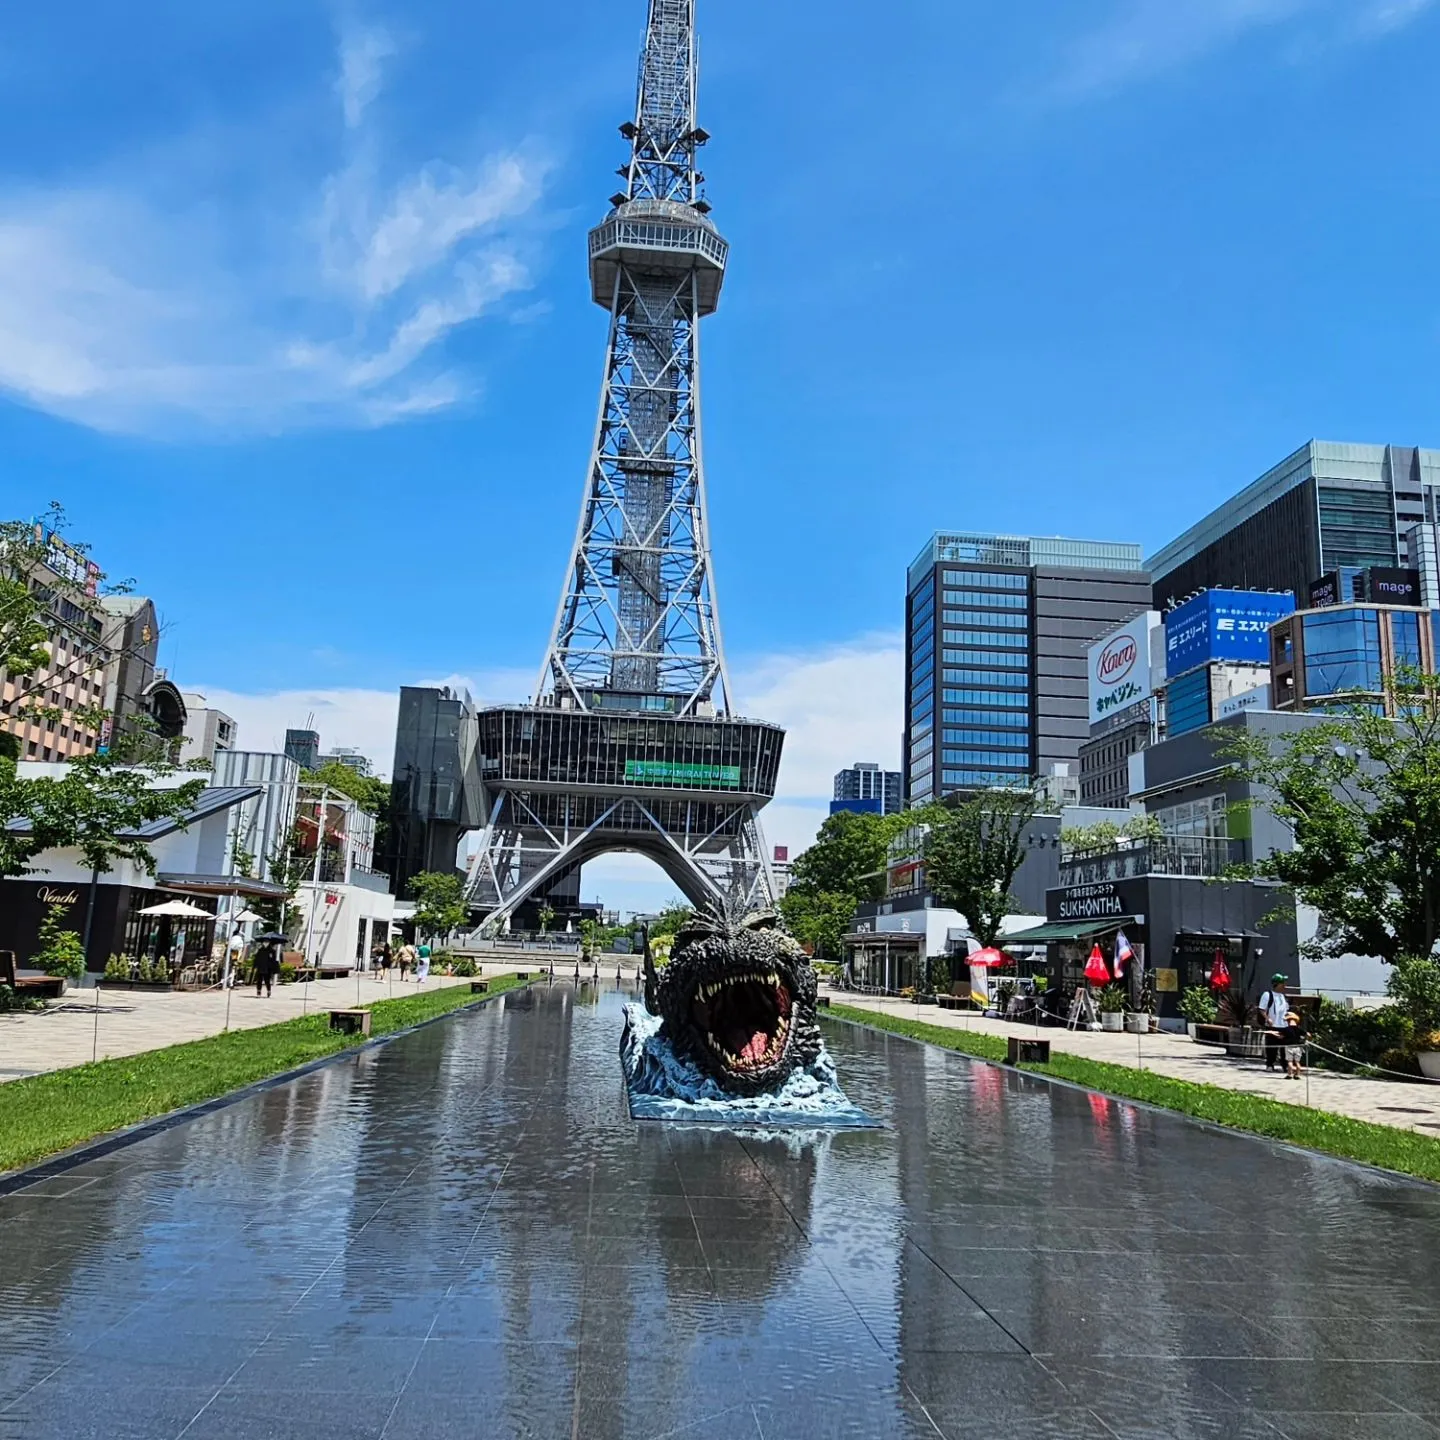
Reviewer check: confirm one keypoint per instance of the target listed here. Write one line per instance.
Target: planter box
(1204, 1034)
(1245, 1044)
(1113, 1021)
(151, 987)
(1429, 1062)
(1137, 1024)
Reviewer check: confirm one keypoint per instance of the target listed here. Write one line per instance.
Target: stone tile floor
(1408, 1106)
(462, 1233)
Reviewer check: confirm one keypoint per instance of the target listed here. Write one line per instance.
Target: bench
(522, 974)
(1020, 1051)
(350, 1022)
(479, 987)
(43, 987)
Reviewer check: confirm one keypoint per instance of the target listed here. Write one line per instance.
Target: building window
(1342, 652)
(33, 746)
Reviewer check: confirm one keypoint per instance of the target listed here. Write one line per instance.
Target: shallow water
(462, 1233)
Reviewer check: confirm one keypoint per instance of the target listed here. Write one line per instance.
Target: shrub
(289, 973)
(1414, 986)
(117, 967)
(61, 952)
(1197, 1005)
(1361, 1035)
(463, 966)
(940, 975)
(1402, 1062)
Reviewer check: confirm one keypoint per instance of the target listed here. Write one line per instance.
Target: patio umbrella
(1095, 969)
(180, 909)
(270, 935)
(990, 958)
(245, 917)
(1219, 973)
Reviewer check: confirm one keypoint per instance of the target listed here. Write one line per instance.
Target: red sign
(782, 854)
(1116, 660)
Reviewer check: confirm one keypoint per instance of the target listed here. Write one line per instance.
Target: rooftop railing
(1198, 856)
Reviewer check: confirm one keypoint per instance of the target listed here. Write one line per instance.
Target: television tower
(631, 743)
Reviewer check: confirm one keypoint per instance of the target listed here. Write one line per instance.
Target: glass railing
(1201, 856)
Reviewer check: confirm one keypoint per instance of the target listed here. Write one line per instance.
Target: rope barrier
(1369, 1065)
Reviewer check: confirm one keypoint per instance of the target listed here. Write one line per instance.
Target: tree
(671, 920)
(372, 793)
(546, 917)
(844, 867)
(1360, 793)
(60, 952)
(439, 902)
(972, 854)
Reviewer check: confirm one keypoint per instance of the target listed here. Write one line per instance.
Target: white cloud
(363, 54)
(1144, 38)
(837, 706)
(327, 299)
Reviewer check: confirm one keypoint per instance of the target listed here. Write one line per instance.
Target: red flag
(1219, 973)
(1095, 970)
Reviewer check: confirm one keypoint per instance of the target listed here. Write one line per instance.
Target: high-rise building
(997, 630)
(867, 789)
(632, 742)
(303, 747)
(1325, 507)
(435, 792)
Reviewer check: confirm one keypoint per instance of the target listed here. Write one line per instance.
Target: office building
(1328, 505)
(303, 747)
(997, 630)
(867, 789)
(1337, 653)
(435, 790)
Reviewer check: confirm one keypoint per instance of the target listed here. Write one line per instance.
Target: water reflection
(467, 1222)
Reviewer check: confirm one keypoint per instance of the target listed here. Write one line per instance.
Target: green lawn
(1392, 1149)
(43, 1114)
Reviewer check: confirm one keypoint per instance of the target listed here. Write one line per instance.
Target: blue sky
(294, 318)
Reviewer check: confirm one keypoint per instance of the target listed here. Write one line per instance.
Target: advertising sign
(1394, 587)
(1256, 699)
(1325, 590)
(1118, 669)
(682, 774)
(1223, 625)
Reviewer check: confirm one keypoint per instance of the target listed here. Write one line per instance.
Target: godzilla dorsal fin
(652, 980)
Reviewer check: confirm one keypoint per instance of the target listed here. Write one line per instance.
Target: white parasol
(181, 909)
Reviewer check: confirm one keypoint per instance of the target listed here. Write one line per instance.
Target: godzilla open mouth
(745, 1019)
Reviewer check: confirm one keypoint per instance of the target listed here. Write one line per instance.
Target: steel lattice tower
(631, 744)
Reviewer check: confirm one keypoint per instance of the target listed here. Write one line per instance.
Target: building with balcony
(1339, 653)
(867, 789)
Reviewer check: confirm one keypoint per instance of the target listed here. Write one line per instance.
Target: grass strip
(1383, 1145)
(44, 1114)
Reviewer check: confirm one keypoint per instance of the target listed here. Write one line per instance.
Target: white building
(208, 731)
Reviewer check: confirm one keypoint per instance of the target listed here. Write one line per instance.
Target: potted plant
(1111, 1002)
(1005, 992)
(1242, 1040)
(61, 953)
(1198, 1007)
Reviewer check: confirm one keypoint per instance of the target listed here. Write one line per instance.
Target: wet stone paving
(463, 1233)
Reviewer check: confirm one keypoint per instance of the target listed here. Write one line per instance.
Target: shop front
(1176, 926)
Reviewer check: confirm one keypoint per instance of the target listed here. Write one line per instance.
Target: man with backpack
(1274, 1008)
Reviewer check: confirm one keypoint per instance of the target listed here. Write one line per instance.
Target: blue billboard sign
(1223, 625)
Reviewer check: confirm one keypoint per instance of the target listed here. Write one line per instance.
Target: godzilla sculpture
(728, 1030)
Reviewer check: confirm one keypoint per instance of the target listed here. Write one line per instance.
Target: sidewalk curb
(13, 1181)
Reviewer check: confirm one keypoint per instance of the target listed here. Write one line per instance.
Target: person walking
(422, 968)
(406, 958)
(383, 960)
(267, 967)
(1293, 1038)
(1274, 1007)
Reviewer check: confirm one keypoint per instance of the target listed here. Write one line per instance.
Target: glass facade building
(1321, 658)
(997, 630)
(1325, 507)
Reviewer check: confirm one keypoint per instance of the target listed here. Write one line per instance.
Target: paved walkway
(1383, 1102)
(77, 1029)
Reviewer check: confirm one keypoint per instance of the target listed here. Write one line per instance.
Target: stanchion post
(95, 1041)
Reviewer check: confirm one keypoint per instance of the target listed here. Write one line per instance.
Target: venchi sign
(1119, 667)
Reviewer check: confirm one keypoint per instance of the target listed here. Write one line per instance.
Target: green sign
(669, 770)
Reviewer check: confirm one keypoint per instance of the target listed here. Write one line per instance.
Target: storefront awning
(1067, 930)
(223, 885)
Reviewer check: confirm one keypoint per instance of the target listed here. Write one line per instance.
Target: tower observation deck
(632, 743)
